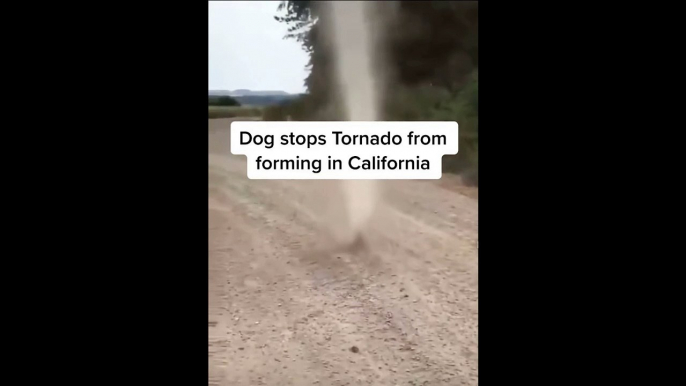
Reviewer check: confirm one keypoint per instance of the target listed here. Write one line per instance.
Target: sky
(247, 49)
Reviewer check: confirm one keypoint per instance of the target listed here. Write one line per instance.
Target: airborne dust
(353, 43)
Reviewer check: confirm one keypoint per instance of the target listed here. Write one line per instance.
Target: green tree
(431, 51)
(226, 100)
(429, 41)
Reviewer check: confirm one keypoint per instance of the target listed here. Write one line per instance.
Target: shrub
(435, 104)
(223, 100)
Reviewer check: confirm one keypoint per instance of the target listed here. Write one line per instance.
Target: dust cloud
(353, 41)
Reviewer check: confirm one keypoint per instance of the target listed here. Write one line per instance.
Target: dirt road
(280, 313)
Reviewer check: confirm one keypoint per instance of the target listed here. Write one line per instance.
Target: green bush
(463, 108)
(223, 100)
(435, 104)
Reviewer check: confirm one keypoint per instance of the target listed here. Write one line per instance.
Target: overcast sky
(247, 49)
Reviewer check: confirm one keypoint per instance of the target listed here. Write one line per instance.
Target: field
(215, 112)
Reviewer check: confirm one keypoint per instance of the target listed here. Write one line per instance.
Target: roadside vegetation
(215, 112)
(432, 51)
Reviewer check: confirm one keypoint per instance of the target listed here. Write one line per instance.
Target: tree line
(223, 100)
(430, 51)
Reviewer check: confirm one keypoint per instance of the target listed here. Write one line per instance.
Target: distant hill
(254, 98)
(256, 93)
(244, 92)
